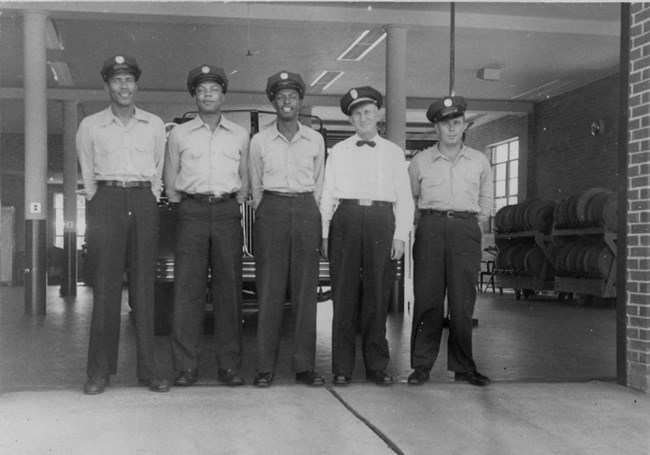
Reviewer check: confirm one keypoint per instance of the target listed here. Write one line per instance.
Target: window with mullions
(505, 167)
(59, 222)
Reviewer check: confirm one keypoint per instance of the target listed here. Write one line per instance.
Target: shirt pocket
(435, 188)
(142, 155)
(107, 153)
(472, 178)
(274, 163)
(304, 159)
(107, 144)
(232, 153)
(191, 156)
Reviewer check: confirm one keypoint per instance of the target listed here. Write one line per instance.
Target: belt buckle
(449, 214)
(212, 199)
(365, 202)
(122, 183)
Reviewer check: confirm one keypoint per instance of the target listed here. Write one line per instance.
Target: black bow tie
(370, 143)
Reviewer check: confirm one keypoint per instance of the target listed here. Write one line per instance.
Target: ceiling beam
(256, 99)
(213, 12)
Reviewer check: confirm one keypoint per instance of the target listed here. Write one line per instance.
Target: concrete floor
(552, 363)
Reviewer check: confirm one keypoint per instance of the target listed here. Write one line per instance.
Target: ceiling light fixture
(366, 42)
(52, 38)
(61, 73)
(489, 74)
(325, 79)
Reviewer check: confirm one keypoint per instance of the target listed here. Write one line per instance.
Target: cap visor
(362, 100)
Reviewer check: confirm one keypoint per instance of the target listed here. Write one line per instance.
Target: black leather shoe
(340, 379)
(379, 377)
(186, 378)
(95, 386)
(473, 377)
(155, 384)
(263, 380)
(229, 377)
(310, 378)
(419, 376)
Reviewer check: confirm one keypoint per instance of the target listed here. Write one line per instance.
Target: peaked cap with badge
(284, 79)
(206, 72)
(446, 108)
(358, 96)
(120, 62)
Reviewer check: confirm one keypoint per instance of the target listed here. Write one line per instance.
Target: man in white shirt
(367, 212)
(206, 173)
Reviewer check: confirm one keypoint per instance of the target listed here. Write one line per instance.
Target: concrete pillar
(396, 84)
(69, 281)
(34, 65)
(396, 116)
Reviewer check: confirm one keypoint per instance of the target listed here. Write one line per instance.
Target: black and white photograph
(331, 227)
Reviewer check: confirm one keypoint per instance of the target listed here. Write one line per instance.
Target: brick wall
(568, 159)
(481, 137)
(638, 219)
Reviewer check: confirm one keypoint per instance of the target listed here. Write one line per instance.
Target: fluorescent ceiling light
(325, 79)
(366, 42)
(61, 74)
(52, 38)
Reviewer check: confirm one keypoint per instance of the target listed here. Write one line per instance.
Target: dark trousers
(123, 227)
(446, 260)
(287, 241)
(207, 235)
(360, 243)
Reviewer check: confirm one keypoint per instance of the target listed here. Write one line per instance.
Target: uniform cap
(284, 79)
(206, 73)
(446, 108)
(120, 62)
(360, 95)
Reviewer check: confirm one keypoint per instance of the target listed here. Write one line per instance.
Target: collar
(197, 123)
(437, 154)
(301, 131)
(108, 116)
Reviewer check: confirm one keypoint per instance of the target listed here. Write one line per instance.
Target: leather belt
(124, 184)
(286, 194)
(210, 198)
(450, 213)
(366, 202)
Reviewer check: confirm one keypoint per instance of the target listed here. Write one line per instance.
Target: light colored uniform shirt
(464, 185)
(110, 150)
(202, 161)
(275, 164)
(377, 173)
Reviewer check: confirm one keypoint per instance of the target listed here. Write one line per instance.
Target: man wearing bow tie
(367, 211)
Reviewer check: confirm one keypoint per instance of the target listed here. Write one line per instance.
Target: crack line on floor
(367, 423)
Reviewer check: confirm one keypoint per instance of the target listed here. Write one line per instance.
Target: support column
(396, 116)
(69, 281)
(34, 65)
(396, 84)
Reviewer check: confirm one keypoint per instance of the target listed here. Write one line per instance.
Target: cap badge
(284, 76)
(119, 59)
(205, 69)
(354, 94)
(448, 102)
